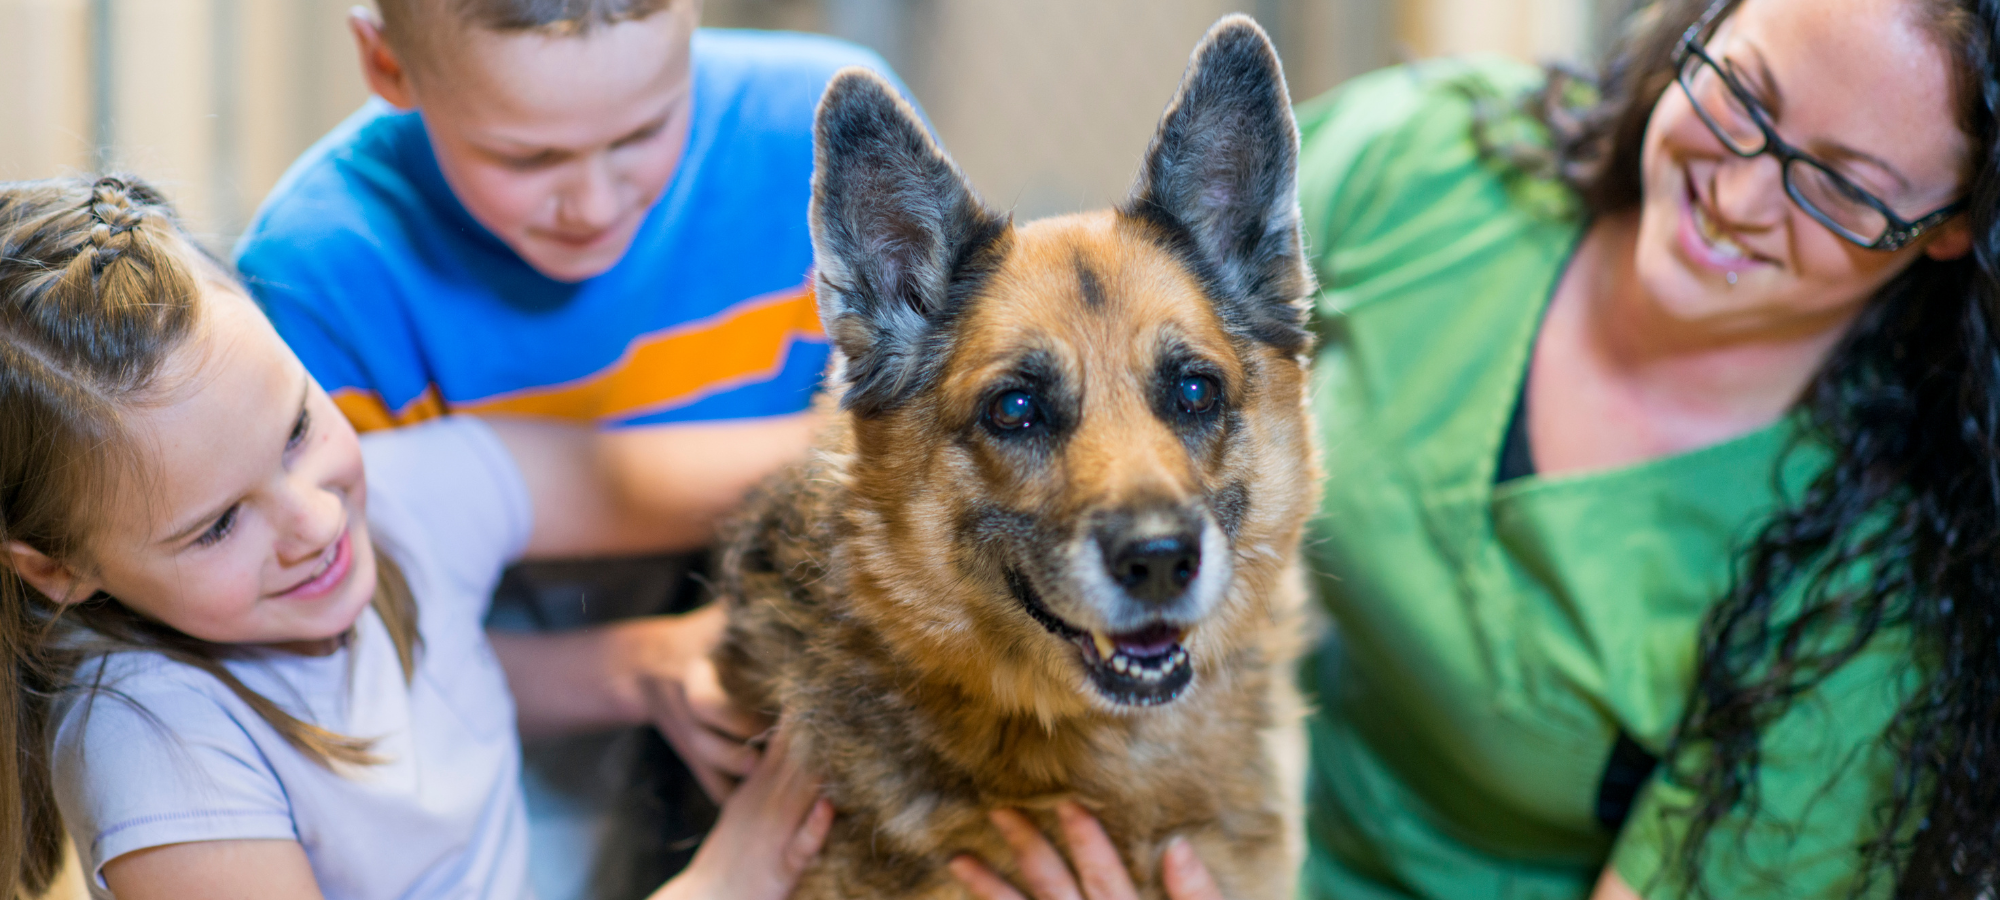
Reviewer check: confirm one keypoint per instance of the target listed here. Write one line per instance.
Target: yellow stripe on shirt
(369, 412)
(675, 366)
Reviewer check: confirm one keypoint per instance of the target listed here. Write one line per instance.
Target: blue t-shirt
(405, 308)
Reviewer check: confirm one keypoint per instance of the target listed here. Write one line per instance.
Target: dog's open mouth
(1139, 668)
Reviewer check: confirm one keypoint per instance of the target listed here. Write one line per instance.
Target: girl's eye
(216, 532)
(1012, 411)
(300, 429)
(1197, 393)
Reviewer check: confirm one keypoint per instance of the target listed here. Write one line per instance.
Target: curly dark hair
(1900, 531)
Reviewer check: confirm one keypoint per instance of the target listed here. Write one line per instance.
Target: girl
(234, 669)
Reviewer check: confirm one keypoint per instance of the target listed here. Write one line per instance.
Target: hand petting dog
(683, 699)
(654, 670)
(1098, 867)
(772, 827)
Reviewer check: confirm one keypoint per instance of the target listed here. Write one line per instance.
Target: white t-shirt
(166, 754)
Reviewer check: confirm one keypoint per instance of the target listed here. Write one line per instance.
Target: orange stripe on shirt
(368, 412)
(675, 366)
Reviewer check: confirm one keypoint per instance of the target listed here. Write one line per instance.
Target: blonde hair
(414, 27)
(98, 286)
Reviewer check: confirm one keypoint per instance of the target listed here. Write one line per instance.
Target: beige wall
(1534, 29)
(44, 46)
(1047, 103)
(211, 98)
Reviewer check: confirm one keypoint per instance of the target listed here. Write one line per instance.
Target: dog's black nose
(1158, 569)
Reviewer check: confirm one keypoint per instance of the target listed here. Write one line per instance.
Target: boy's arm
(598, 493)
(649, 489)
(650, 670)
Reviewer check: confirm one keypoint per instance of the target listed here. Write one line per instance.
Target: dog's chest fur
(913, 765)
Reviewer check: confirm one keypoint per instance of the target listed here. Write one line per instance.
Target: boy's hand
(676, 681)
(1098, 867)
(768, 833)
(653, 670)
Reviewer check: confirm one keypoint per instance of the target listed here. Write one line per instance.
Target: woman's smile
(1707, 244)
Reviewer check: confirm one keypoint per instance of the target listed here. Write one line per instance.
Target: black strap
(1624, 773)
(1517, 459)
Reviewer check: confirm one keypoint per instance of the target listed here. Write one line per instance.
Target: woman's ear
(55, 580)
(1950, 241)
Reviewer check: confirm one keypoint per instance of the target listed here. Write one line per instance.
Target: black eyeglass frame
(1900, 231)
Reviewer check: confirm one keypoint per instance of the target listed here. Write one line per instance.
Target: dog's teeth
(1180, 656)
(1118, 662)
(1105, 650)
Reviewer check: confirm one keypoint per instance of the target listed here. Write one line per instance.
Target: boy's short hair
(412, 27)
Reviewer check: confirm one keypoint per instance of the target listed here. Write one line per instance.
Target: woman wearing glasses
(1662, 519)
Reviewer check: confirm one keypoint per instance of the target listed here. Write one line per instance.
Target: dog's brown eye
(1012, 410)
(1197, 393)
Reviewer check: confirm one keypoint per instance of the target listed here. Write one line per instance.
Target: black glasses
(1740, 122)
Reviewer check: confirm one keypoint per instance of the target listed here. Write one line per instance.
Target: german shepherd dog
(1046, 547)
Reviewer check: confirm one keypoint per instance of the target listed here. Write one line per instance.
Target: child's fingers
(781, 783)
(810, 837)
(1186, 878)
(719, 751)
(981, 881)
(717, 762)
(1042, 868)
(1091, 853)
(718, 786)
(711, 706)
(789, 758)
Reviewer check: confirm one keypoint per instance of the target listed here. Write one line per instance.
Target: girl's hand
(771, 828)
(1103, 876)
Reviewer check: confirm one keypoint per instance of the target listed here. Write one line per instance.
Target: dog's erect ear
(1220, 183)
(900, 241)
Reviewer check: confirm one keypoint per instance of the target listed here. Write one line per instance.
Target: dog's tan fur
(869, 607)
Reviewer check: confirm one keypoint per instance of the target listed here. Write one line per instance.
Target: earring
(1732, 278)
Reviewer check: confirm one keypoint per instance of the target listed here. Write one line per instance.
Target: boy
(582, 209)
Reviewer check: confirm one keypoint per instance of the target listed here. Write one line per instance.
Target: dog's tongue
(1155, 640)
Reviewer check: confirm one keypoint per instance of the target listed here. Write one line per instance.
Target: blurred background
(1047, 104)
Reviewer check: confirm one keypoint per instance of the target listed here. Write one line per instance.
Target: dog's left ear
(1220, 184)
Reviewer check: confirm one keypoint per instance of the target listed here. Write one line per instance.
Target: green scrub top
(1491, 642)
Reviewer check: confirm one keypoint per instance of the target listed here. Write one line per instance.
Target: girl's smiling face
(243, 520)
(1861, 84)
